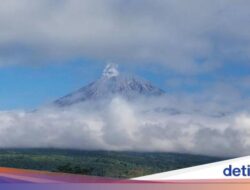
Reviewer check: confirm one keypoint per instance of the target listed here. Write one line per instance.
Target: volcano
(112, 83)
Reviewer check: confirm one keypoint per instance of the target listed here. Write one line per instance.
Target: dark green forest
(99, 163)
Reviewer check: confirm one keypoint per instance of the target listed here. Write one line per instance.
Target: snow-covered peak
(111, 84)
(111, 70)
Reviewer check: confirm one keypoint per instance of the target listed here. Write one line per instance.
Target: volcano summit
(111, 84)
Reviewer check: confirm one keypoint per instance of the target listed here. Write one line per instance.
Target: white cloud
(174, 33)
(122, 125)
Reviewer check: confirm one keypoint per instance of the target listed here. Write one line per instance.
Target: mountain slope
(111, 83)
(100, 163)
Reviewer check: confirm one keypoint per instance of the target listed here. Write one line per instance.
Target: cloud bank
(122, 125)
(190, 37)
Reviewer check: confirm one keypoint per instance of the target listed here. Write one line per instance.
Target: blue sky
(28, 87)
(32, 86)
